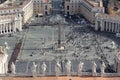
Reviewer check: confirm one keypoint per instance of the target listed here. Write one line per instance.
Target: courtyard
(81, 43)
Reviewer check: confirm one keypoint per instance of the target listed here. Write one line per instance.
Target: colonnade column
(0, 28)
(116, 27)
(10, 27)
(7, 25)
(96, 25)
(107, 26)
(101, 25)
(4, 28)
(14, 25)
(112, 27)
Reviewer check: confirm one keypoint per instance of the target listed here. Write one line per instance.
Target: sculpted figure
(44, 67)
(13, 68)
(94, 67)
(103, 67)
(68, 67)
(80, 67)
(57, 68)
(33, 68)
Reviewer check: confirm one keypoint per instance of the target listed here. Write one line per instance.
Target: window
(45, 6)
(67, 7)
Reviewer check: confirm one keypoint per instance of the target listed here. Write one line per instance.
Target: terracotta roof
(45, 1)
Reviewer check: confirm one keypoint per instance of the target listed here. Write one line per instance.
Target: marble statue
(13, 68)
(57, 68)
(80, 67)
(6, 46)
(113, 45)
(33, 68)
(44, 67)
(94, 67)
(68, 67)
(103, 67)
(3, 61)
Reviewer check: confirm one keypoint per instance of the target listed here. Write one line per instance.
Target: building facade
(105, 22)
(87, 8)
(10, 24)
(42, 7)
(72, 7)
(13, 7)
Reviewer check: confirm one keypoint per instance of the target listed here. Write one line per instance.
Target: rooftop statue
(6, 46)
(57, 68)
(44, 67)
(94, 67)
(80, 67)
(68, 67)
(13, 69)
(33, 68)
(103, 67)
(3, 61)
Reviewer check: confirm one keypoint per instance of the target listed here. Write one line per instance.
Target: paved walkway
(14, 55)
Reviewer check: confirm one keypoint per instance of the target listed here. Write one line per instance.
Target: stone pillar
(116, 27)
(14, 25)
(4, 28)
(10, 27)
(119, 28)
(113, 27)
(0, 29)
(110, 26)
(20, 22)
(96, 24)
(106, 25)
(103, 24)
(7, 27)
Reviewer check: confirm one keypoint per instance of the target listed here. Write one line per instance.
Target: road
(57, 6)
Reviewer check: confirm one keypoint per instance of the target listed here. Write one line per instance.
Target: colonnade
(105, 22)
(10, 25)
(107, 26)
(7, 27)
